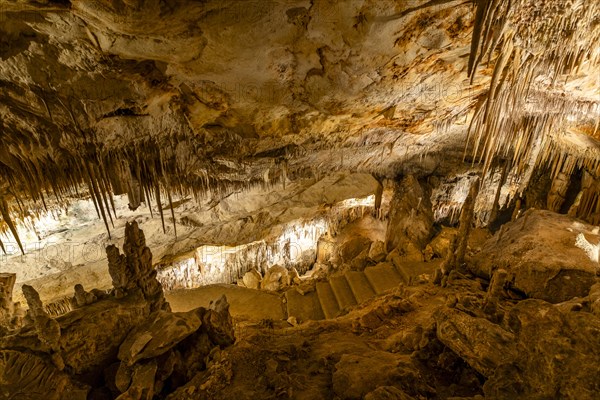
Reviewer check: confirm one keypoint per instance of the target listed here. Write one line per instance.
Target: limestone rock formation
(411, 217)
(127, 345)
(133, 271)
(539, 254)
(28, 376)
(323, 147)
(592, 251)
(252, 279)
(7, 306)
(82, 297)
(377, 251)
(275, 278)
(563, 343)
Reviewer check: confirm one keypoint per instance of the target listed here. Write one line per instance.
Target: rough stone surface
(538, 352)
(133, 271)
(539, 254)
(388, 393)
(441, 242)
(355, 375)
(7, 306)
(411, 216)
(377, 251)
(120, 346)
(158, 335)
(251, 279)
(27, 376)
(275, 278)
(353, 247)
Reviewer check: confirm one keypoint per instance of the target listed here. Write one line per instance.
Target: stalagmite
(7, 307)
(48, 330)
(133, 271)
(458, 246)
(495, 293)
(496, 202)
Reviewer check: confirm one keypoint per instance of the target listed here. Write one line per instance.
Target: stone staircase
(343, 292)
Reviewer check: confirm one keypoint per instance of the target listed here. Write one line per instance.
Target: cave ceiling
(207, 97)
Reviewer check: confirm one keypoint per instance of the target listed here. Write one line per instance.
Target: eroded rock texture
(133, 271)
(125, 345)
(411, 216)
(539, 254)
(538, 352)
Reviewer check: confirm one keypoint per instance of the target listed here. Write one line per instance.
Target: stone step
(360, 286)
(329, 303)
(402, 271)
(343, 293)
(410, 270)
(383, 277)
(304, 307)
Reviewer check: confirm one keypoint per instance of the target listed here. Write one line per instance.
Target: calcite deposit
(304, 199)
(126, 345)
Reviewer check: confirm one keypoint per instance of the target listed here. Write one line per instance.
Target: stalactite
(533, 39)
(107, 188)
(172, 209)
(159, 205)
(148, 203)
(94, 189)
(8, 220)
(102, 191)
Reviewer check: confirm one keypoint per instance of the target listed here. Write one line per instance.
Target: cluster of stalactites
(564, 169)
(148, 173)
(538, 44)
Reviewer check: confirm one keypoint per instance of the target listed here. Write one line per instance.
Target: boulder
(352, 247)
(86, 348)
(377, 251)
(252, 279)
(360, 261)
(539, 254)
(142, 382)
(275, 278)
(325, 249)
(481, 343)
(409, 252)
(539, 351)
(161, 332)
(441, 242)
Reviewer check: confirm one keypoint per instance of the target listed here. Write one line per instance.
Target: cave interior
(307, 199)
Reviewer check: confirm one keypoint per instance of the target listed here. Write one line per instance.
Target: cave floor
(245, 304)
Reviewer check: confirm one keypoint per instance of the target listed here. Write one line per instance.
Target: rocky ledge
(123, 344)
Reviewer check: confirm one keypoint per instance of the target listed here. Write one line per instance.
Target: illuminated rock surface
(317, 199)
